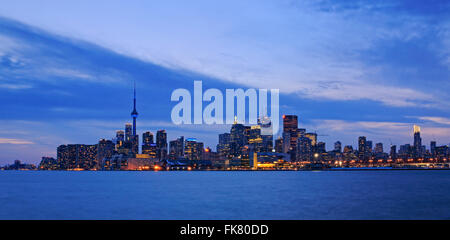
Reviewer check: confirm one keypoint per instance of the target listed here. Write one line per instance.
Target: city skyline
(244, 147)
(61, 82)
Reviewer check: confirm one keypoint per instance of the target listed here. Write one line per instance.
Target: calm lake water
(225, 195)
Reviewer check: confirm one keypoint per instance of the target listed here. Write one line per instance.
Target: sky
(347, 69)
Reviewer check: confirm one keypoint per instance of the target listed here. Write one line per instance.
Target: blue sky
(370, 68)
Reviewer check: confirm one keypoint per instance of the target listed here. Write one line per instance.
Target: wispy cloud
(440, 120)
(14, 141)
(15, 86)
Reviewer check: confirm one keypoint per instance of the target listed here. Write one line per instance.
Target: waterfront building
(105, 149)
(279, 145)
(224, 146)
(305, 149)
(393, 153)
(290, 131)
(161, 144)
(176, 148)
(237, 139)
(77, 156)
(417, 146)
(48, 163)
(193, 149)
(338, 146)
(362, 148)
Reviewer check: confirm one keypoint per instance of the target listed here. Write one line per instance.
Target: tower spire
(134, 113)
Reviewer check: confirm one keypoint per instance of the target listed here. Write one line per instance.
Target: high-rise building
(161, 144)
(338, 146)
(176, 148)
(362, 148)
(150, 150)
(74, 156)
(193, 149)
(393, 152)
(128, 131)
(279, 145)
(237, 139)
(313, 137)
(105, 150)
(379, 148)
(369, 147)
(255, 141)
(305, 149)
(321, 147)
(224, 146)
(417, 142)
(290, 126)
(119, 139)
(266, 133)
(147, 138)
(433, 148)
(148, 146)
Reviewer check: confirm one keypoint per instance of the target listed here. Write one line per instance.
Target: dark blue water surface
(225, 195)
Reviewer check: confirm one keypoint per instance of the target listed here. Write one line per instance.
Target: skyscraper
(417, 142)
(193, 150)
(176, 148)
(362, 148)
(105, 150)
(433, 148)
(279, 145)
(147, 142)
(338, 146)
(393, 152)
(128, 131)
(224, 146)
(147, 138)
(237, 139)
(290, 126)
(304, 148)
(379, 148)
(161, 144)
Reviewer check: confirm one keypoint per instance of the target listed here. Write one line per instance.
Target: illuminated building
(290, 126)
(161, 144)
(305, 149)
(147, 138)
(237, 139)
(48, 163)
(313, 137)
(148, 146)
(128, 131)
(279, 145)
(193, 149)
(338, 146)
(150, 149)
(321, 147)
(255, 141)
(142, 162)
(362, 148)
(393, 152)
(77, 156)
(417, 143)
(176, 148)
(266, 133)
(224, 146)
(433, 148)
(105, 149)
(379, 148)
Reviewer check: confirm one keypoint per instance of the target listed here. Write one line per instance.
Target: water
(225, 195)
